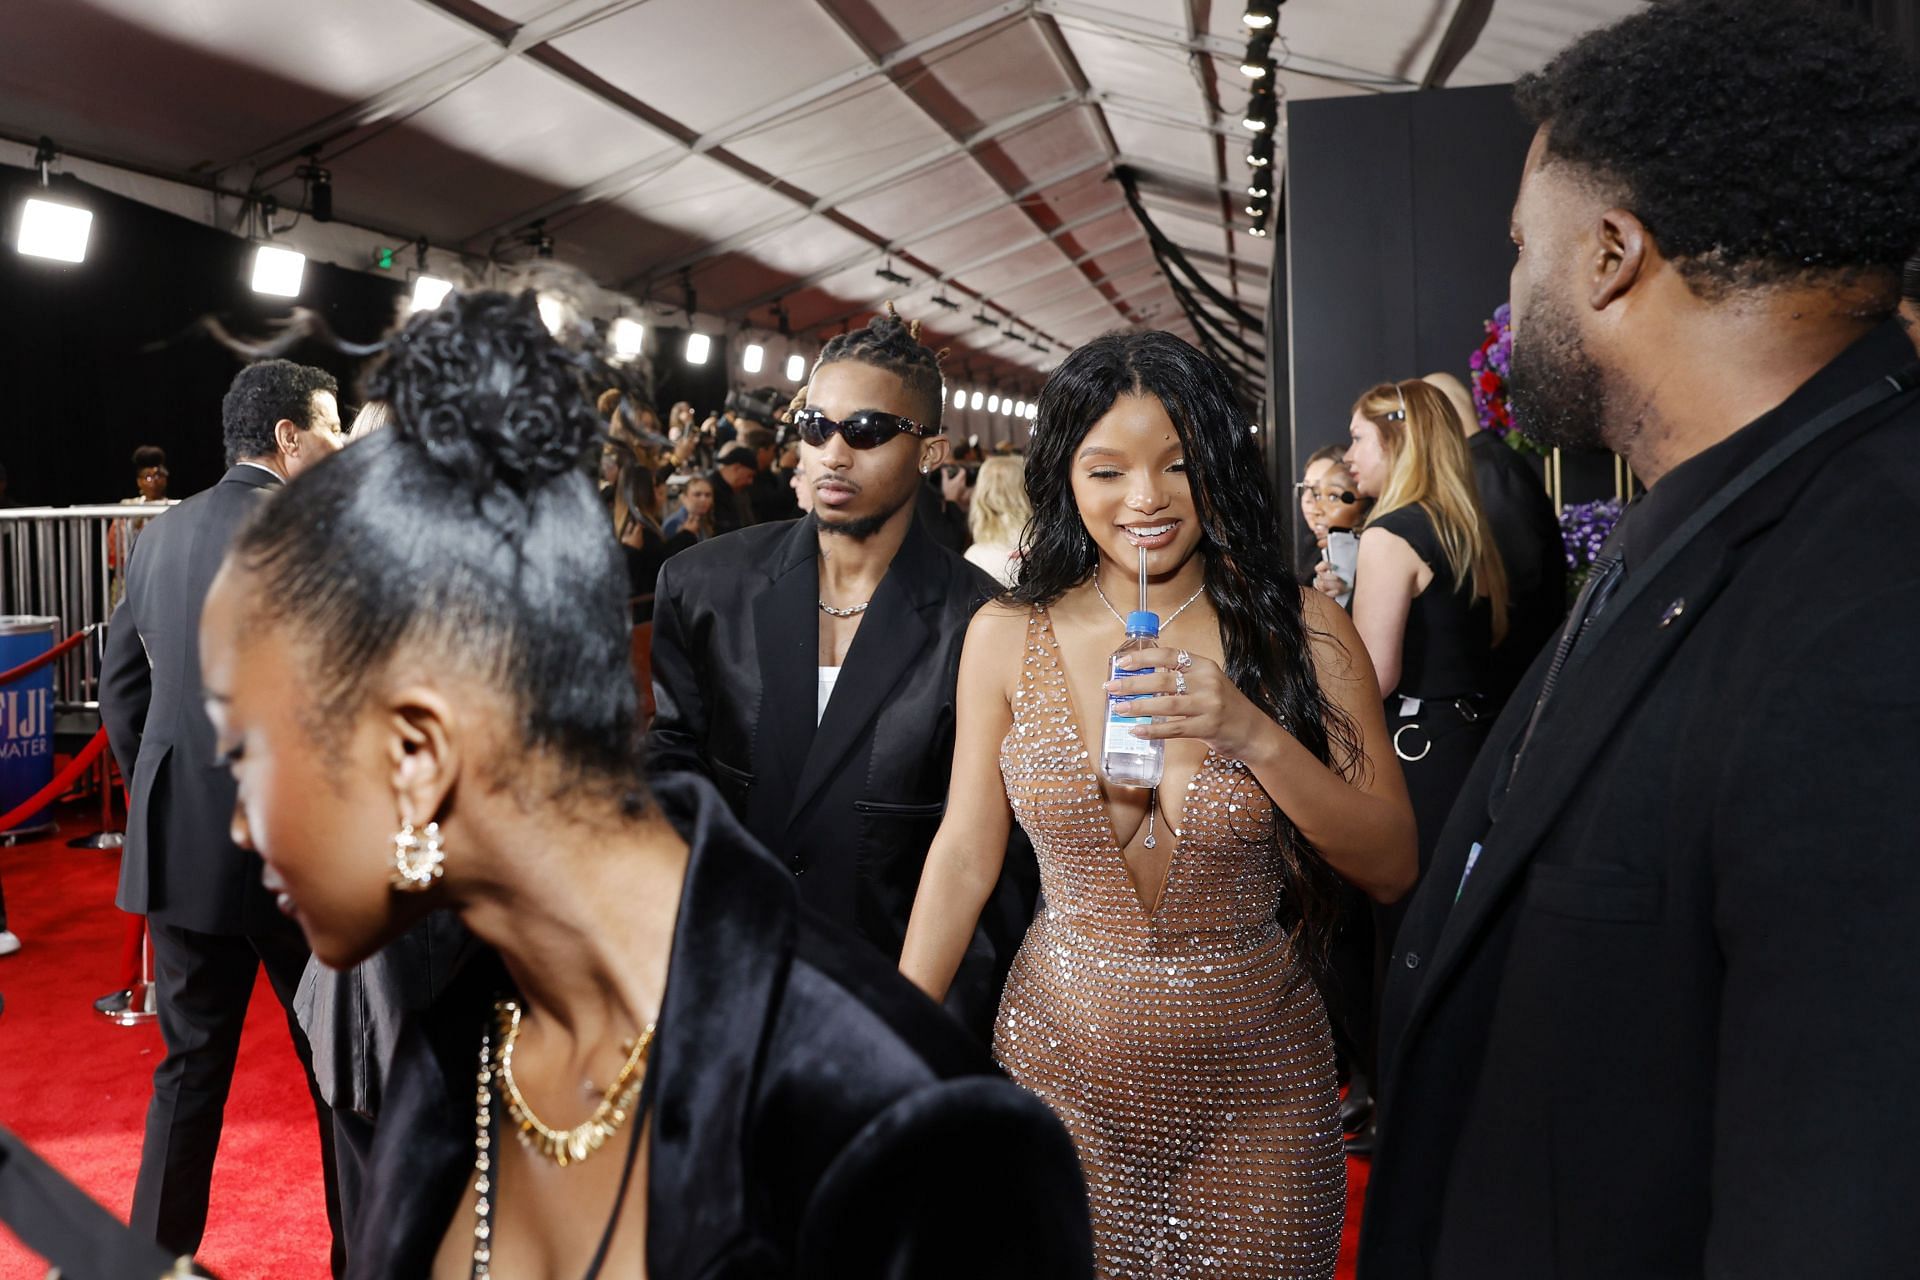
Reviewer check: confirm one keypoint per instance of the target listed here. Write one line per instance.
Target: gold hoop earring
(418, 860)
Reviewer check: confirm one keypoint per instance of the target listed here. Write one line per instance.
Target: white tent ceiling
(763, 151)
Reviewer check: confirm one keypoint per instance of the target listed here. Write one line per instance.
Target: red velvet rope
(58, 787)
(29, 667)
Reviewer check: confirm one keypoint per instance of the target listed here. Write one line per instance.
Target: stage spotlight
(1258, 230)
(959, 398)
(942, 300)
(552, 313)
(796, 367)
(56, 231)
(1033, 413)
(278, 271)
(891, 276)
(1020, 409)
(1260, 109)
(1261, 156)
(993, 404)
(976, 400)
(319, 184)
(1259, 60)
(49, 229)
(1260, 14)
(429, 292)
(1258, 188)
(753, 357)
(698, 345)
(629, 338)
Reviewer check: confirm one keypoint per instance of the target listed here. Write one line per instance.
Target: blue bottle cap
(1142, 622)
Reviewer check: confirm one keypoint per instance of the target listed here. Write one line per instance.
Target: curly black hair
(151, 455)
(468, 531)
(1761, 141)
(890, 343)
(262, 394)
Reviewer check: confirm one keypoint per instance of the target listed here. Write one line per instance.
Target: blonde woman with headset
(1430, 599)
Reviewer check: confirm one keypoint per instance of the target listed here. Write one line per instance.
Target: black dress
(1437, 712)
(812, 1113)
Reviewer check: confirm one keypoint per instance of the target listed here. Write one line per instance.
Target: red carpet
(75, 1086)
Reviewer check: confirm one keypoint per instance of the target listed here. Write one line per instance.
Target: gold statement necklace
(569, 1146)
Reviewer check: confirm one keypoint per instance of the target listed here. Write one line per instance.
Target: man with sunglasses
(808, 667)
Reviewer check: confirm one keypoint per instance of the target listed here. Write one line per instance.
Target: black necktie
(1608, 572)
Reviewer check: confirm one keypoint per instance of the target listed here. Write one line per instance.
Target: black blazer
(179, 866)
(1668, 1029)
(812, 1114)
(851, 806)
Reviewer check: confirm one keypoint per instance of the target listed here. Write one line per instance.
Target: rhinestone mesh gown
(1186, 1052)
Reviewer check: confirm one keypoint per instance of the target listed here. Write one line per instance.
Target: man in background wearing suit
(212, 922)
(1652, 1013)
(808, 668)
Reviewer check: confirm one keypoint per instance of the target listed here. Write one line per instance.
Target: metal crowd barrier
(69, 563)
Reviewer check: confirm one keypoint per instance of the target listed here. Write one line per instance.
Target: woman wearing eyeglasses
(1430, 598)
(808, 667)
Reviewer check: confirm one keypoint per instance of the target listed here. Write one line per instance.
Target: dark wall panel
(1397, 213)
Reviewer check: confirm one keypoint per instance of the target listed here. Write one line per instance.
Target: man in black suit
(1652, 1013)
(809, 668)
(212, 924)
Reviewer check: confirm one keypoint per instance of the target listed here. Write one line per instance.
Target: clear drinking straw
(1143, 580)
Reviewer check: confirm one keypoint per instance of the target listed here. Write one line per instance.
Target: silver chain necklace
(1121, 620)
(854, 612)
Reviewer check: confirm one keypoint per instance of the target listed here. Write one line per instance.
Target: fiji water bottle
(1126, 760)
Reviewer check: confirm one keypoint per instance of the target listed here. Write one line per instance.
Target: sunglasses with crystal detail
(866, 429)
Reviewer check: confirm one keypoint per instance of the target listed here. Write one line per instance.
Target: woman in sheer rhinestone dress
(1162, 1003)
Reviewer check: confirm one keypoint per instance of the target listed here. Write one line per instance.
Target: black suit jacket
(1668, 1028)
(852, 806)
(179, 866)
(812, 1114)
(1528, 537)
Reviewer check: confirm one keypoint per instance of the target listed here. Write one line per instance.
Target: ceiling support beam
(866, 186)
(898, 247)
(630, 177)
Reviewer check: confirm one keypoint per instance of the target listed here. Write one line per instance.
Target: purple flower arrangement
(1491, 366)
(1584, 528)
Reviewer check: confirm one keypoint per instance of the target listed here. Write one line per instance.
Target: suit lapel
(1592, 698)
(787, 635)
(887, 646)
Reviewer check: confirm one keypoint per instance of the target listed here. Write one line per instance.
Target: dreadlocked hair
(893, 344)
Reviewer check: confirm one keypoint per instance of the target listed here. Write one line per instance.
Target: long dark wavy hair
(1243, 544)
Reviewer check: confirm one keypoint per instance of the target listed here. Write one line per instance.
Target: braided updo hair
(893, 344)
(468, 533)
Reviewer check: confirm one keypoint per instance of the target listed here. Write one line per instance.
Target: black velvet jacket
(813, 1114)
(851, 805)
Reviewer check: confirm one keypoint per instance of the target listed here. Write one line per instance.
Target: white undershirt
(829, 676)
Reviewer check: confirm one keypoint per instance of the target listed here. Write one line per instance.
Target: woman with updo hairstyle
(1430, 596)
(1163, 1002)
(657, 1066)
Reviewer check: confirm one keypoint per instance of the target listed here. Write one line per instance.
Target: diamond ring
(1179, 684)
(1183, 660)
